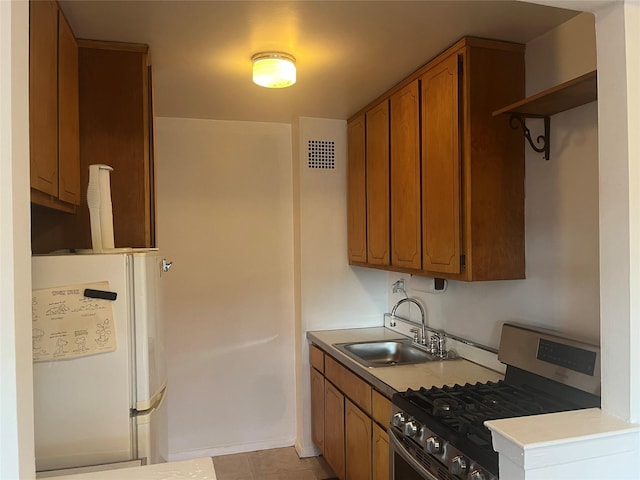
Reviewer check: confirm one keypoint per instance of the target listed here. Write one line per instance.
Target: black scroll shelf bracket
(542, 143)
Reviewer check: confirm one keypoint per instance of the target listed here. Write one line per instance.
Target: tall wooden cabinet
(53, 108)
(441, 167)
(356, 191)
(115, 128)
(377, 184)
(456, 183)
(406, 250)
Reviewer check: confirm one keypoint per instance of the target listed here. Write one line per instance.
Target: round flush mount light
(274, 69)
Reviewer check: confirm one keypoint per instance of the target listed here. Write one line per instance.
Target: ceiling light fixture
(274, 69)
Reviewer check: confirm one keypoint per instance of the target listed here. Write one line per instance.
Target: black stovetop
(457, 414)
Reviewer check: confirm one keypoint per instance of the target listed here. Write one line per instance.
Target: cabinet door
(356, 191)
(334, 429)
(43, 96)
(317, 409)
(405, 178)
(380, 452)
(357, 443)
(68, 115)
(441, 168)
(115, 126)
(377, 161)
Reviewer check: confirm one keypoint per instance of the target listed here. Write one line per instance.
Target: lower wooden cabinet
(317, 409)
(348, 421)
(380, 453)
(357, 443)
(334, 429)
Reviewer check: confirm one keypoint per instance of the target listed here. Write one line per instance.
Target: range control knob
(459, 465)
(411, 429)
(433, 445)
(398, 420)
(477, 475)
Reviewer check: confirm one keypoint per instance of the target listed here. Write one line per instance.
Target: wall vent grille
(321, 154)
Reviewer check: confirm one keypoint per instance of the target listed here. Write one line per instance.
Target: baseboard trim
(305, 451)
(230, 449)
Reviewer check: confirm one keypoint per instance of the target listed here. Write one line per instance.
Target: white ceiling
(348, 52)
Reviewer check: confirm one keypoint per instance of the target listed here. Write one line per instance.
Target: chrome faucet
(423, 323)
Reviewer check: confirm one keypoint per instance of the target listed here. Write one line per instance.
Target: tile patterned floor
(275, 464)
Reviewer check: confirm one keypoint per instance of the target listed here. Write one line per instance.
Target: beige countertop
(398, 378)
(195, 469)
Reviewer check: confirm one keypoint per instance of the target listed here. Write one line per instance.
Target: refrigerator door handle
(156, 403)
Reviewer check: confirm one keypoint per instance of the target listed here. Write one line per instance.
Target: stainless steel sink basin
(385, 353)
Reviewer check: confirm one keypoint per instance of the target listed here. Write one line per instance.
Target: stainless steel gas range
(439, 434)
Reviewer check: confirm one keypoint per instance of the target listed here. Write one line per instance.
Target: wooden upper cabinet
(68, 115)
(494, 168)
(53, 108)
(405, 178)
(441, 167)
(377, 184)
(43, 96)
(115, 126)
(444, 177)
(356, 191)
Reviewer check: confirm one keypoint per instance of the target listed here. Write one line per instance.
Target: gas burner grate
(457, 413)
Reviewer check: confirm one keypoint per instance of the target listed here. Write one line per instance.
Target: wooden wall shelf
(568, 95)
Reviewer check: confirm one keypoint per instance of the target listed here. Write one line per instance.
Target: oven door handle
(398, 448)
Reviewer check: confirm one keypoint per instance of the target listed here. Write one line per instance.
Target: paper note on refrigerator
(66, 324)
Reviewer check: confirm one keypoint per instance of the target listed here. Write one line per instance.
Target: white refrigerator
(99, 369)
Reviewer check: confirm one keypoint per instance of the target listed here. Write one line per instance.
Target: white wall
(561, 290)
(16, 375)
(629, 408)
(225, 217)
(332, 294)
(618, 27)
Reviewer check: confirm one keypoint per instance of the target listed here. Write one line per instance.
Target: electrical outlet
(429, 285)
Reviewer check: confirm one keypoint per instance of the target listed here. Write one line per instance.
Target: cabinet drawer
(316, 358)
(353, 387)
(381, 409)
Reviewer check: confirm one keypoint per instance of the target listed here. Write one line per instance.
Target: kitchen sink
(386, 353)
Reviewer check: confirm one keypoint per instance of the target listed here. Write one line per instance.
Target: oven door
(402, 466)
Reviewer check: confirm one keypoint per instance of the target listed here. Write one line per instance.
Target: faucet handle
(415, 334)
(437, 345)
